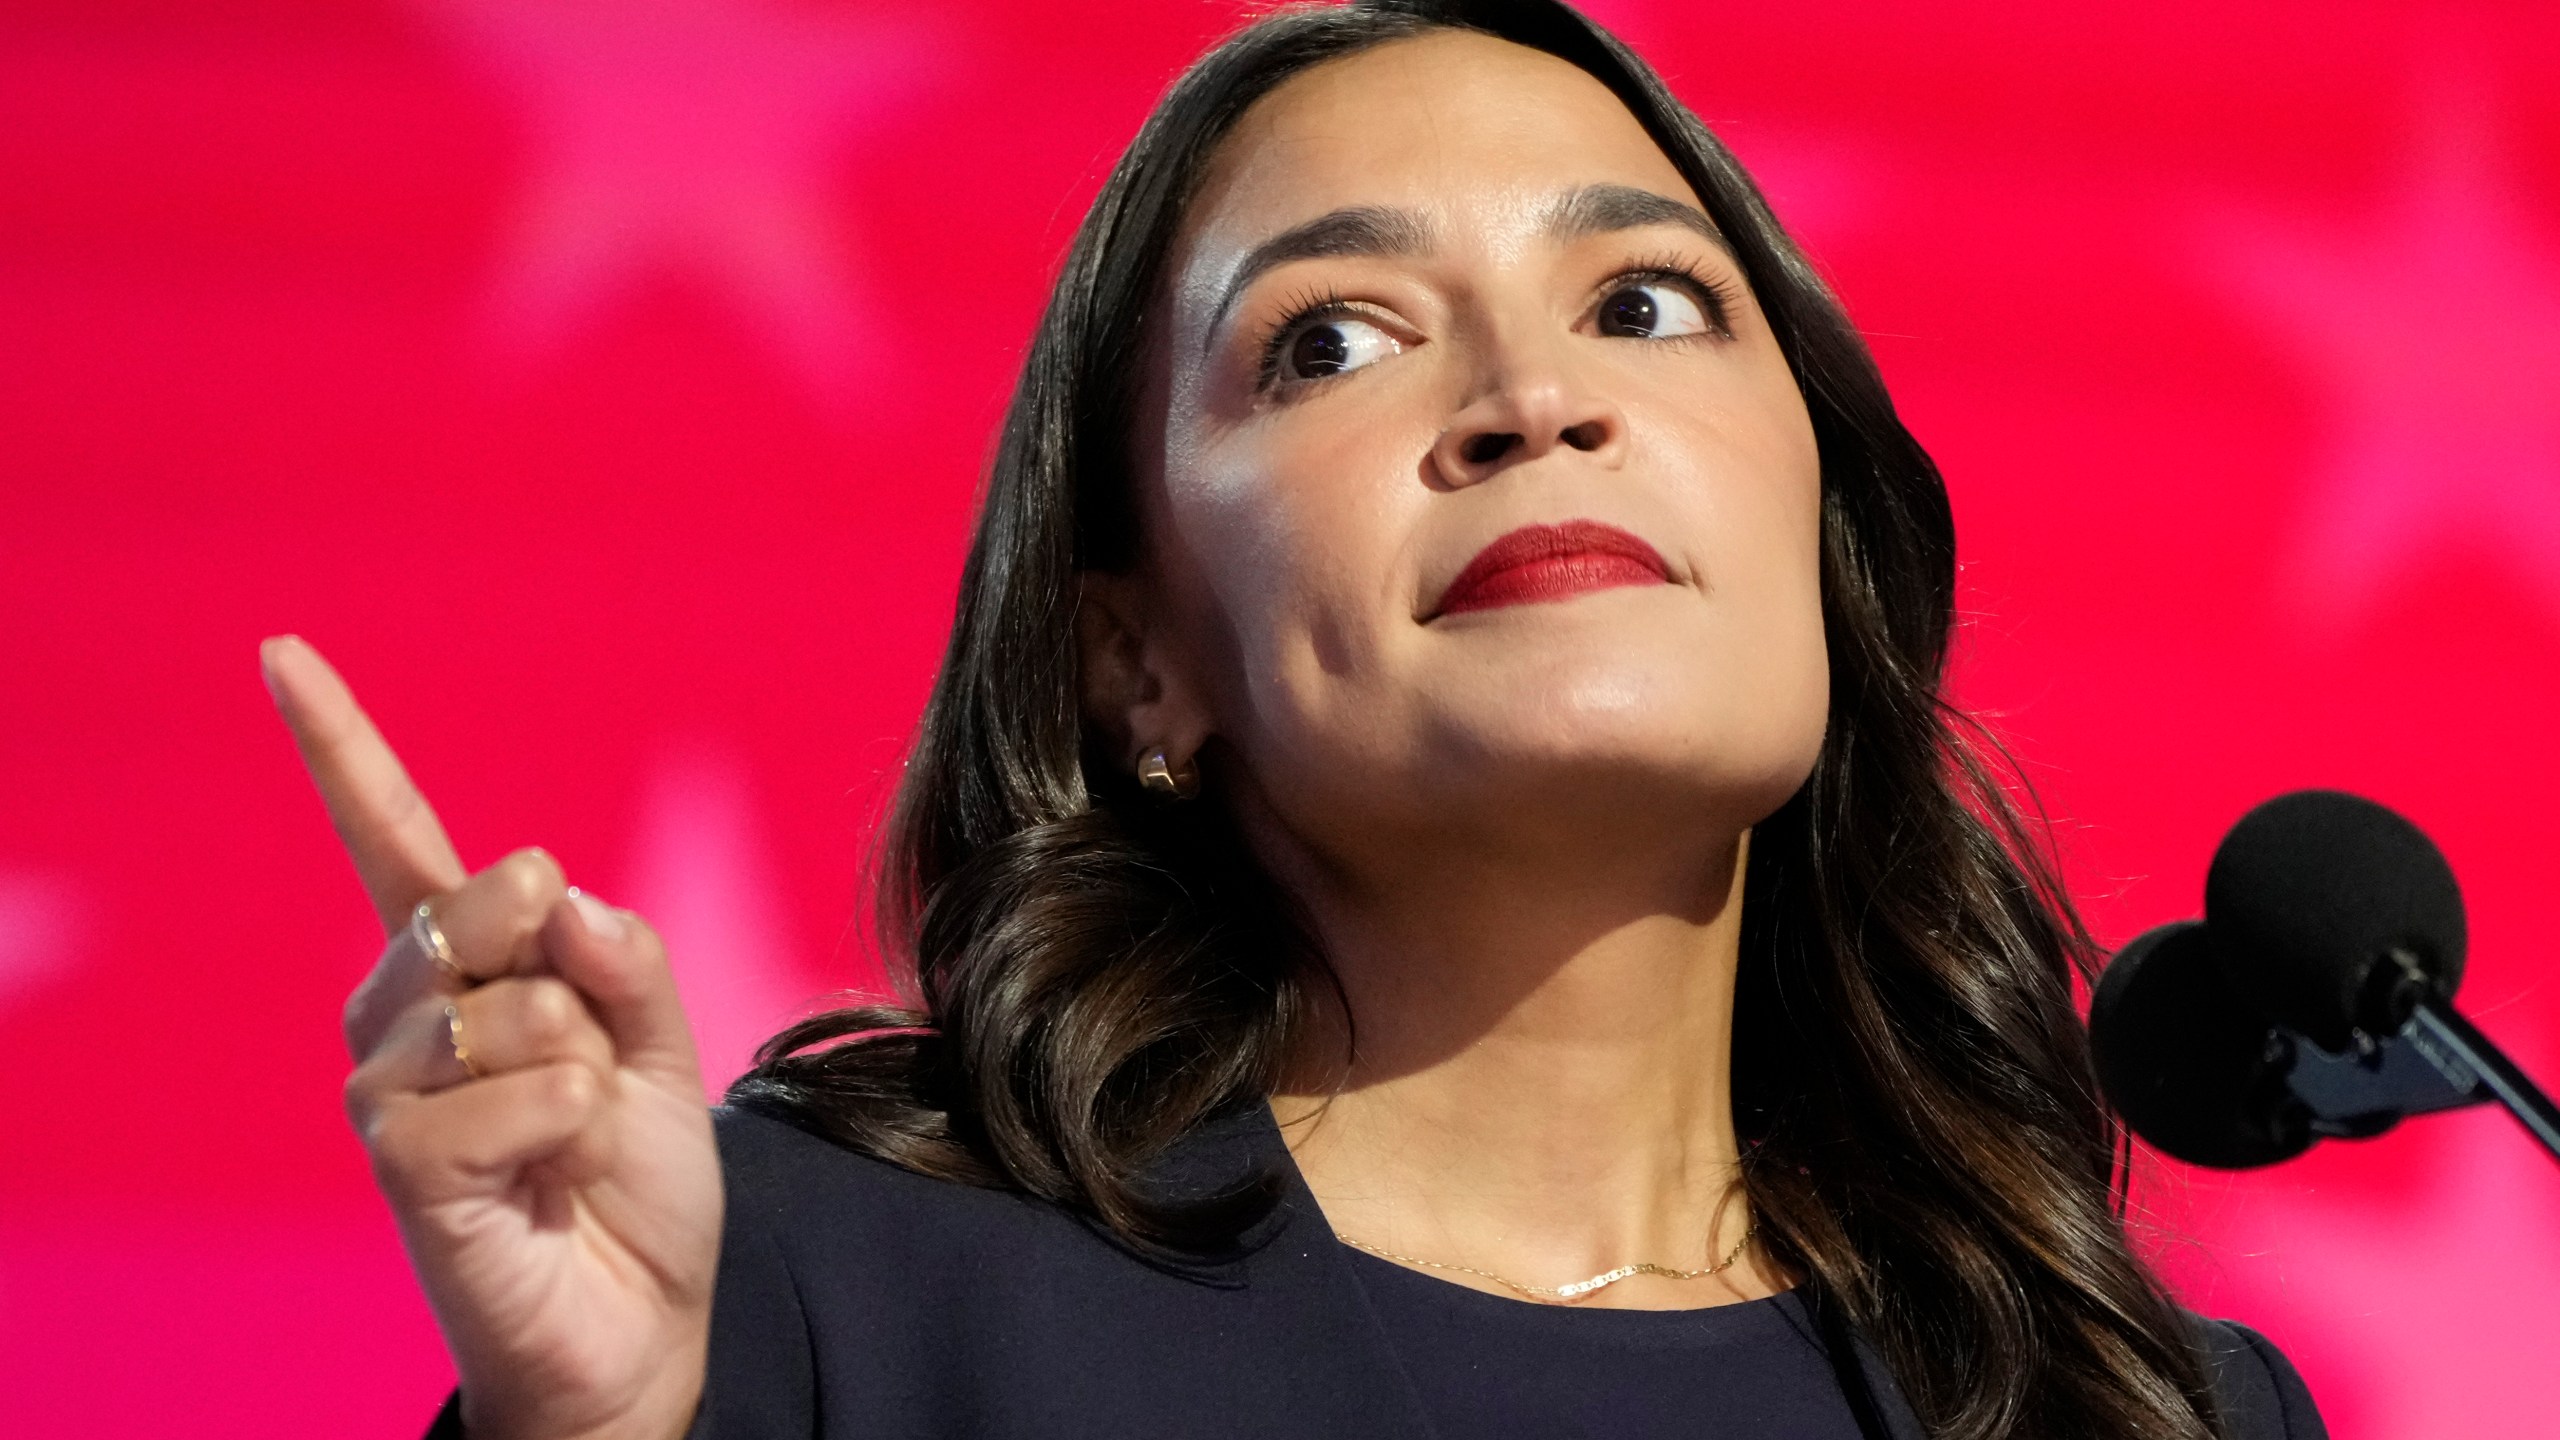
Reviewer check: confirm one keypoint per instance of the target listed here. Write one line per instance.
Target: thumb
(620, 965)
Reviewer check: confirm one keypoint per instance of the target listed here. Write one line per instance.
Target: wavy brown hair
(1092, 974)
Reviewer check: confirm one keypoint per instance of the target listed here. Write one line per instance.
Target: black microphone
(2338, 915)
(2186, 1062)
(2314, 1000)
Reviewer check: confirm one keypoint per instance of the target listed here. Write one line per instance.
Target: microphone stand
(2471, 1062)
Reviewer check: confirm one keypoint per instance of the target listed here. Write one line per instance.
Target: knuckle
(550, 1013)
(513, 897)
(573, 1088)
(510, 883)
(354, 1018)
(360, 1096)
(394, 1138)
(532, 876)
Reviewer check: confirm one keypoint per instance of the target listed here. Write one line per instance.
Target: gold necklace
(1568, 1294)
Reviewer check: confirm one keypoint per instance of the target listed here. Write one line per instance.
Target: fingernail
(268, 649)
(596, 915)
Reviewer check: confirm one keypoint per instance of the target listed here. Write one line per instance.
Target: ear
(1138, 687)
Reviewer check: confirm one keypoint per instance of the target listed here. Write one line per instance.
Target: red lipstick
(1550, 562)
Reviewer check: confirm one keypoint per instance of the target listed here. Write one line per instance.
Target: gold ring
(453, 1036)
(430, 939)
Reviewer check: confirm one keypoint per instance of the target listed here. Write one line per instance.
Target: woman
(1437, 822)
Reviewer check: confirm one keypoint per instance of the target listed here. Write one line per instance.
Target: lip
(1538, 563)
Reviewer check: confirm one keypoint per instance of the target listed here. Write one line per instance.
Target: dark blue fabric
(1490, 1368)
(2259, 1390)
(857, 1301)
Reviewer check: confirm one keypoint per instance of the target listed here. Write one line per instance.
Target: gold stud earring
(1158, 776)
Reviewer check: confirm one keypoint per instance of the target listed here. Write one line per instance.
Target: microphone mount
(2454, 1048)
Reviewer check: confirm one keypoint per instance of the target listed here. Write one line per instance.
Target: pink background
(604, 384)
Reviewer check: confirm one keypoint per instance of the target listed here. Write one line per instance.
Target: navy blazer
(858, 1301)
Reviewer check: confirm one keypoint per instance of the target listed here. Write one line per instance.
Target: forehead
(1456, 126)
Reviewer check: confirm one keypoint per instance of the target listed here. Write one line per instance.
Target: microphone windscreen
(2188, 1064)
(2308, 896)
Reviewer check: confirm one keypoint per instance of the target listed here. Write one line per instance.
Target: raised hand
(527, 1087)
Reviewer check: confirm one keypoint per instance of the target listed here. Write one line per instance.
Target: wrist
(664, 1409)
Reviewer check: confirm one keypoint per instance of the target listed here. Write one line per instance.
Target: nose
(1522, 417)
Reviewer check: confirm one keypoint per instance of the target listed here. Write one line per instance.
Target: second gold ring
(461, 1047)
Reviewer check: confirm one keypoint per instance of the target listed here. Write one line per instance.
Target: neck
(1533, 1078)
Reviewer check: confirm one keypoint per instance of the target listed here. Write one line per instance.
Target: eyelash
(1306, 306)
(1717, 297)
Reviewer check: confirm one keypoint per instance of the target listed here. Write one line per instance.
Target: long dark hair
(1095, 974)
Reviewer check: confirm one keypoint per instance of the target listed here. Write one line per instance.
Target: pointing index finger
(392, 834)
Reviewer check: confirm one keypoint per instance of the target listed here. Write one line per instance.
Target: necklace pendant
(1601, 1281)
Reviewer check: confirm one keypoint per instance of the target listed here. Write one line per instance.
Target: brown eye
(1334, 345)
(1653, 310)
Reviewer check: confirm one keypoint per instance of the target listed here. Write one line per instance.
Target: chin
(1631, 743)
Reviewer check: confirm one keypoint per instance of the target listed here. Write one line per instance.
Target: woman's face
(1441, 293)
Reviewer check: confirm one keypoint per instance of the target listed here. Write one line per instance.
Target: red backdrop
(603, 386)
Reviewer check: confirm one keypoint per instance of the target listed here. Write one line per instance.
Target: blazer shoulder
(807, 1193)
(771, 1160)
(2261, 1395)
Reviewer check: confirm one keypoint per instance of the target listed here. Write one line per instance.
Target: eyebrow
(1355, 230)
(1600, 209)
(1379, 230)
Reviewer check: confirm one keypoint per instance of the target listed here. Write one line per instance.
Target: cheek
(1753, 487)
(1292, 533)
(1800, 668)
(1755, 444)
(1755, 473)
